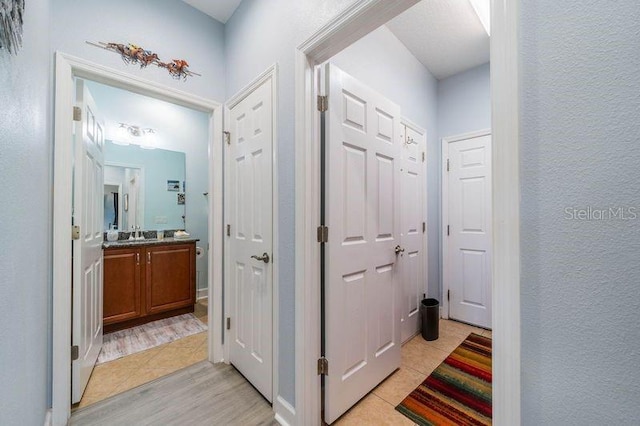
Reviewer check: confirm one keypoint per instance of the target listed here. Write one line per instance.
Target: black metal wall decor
(11, 20)
(136, 55)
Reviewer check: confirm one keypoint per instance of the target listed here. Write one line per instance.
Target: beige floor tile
(200, 354)
(172, 357)
(105, 380)
(200, 310)
(373, 411)
(400, 384)
(487, 333)
(135, 360)
(448, 327)
(421, 357)
(446, 342)
(193, 341)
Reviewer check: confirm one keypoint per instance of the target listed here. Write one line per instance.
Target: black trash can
(430, 312)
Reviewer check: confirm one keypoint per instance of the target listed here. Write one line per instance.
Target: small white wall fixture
(66, 69)
(362, 17)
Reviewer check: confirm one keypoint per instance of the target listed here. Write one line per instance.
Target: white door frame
(66, 68)
(359, 19)
(444, 196)
(280, 406)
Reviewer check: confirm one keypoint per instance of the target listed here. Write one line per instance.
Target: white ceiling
(447, 36)
(217, 9)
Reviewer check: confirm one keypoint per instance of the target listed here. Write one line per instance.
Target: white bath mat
(137, 339)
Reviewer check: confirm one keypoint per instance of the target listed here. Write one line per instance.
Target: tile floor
(419, 359)
(128, 372)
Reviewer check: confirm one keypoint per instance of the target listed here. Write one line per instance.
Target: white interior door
(250, 216)
(413, 183)
(362, 286)
(88, 214)
(469, 239)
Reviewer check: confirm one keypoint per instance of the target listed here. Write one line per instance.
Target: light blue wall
(580, 147)
(170, 28)
(464, 105)
(382, 62)
(159, 165)
(464, 102)
(260, 33)
(25, 224)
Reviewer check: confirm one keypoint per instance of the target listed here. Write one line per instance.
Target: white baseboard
(48, 418)
(202, 293)
(285, 413)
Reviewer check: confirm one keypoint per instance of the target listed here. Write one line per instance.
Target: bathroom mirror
(143, 187)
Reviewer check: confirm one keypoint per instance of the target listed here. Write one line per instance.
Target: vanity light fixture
(129, 134)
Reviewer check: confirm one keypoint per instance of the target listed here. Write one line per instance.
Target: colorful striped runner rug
(458, 392)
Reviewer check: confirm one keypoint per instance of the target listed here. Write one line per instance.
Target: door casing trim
(362, 17)
(444, 211)
(68, 67)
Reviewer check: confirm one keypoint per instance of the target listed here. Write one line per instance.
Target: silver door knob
(399, 250)
(264, 258)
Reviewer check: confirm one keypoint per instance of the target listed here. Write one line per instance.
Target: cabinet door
(122, 285)
(170, 277)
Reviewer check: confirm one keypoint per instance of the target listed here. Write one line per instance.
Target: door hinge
(424, 227)
(323, 367)
(228, 323)
(227, 137)
(447, 164)
(228, 230)
(323, 234)
(447, 230)
(75, 232)
(323, 103)
(448, 295)
(75, 352)
(424, 156)
(77, 113)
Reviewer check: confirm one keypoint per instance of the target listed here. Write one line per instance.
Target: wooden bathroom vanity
(148, 280)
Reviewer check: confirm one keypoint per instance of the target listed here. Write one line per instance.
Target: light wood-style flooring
(202, 394)
(120, 375)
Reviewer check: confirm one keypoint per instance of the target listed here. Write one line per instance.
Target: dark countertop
(149, 242)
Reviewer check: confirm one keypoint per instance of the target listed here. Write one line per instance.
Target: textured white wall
(580, 112)
(381, 61)
(25, 224)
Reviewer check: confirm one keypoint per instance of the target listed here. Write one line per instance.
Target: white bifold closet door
(362, 281)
